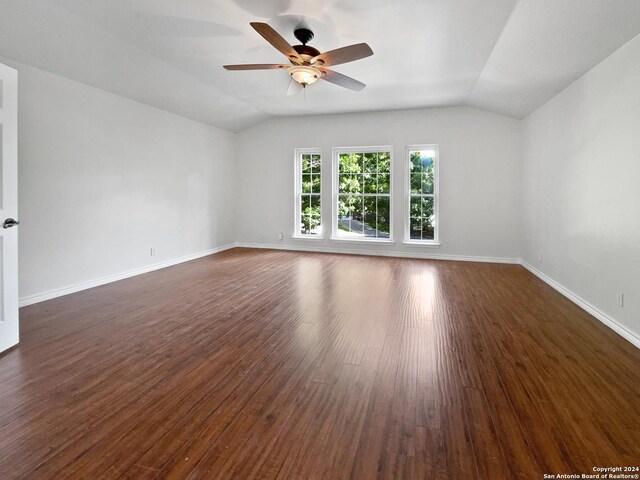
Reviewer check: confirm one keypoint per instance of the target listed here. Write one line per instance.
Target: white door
(8, 207)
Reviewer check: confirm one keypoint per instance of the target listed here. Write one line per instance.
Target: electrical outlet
(620, 299)
(447, 243)
(152, 251)
(280, 236)
(540, 257)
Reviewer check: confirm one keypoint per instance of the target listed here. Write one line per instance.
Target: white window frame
(336, 151)
(298, 152)
(407, 194)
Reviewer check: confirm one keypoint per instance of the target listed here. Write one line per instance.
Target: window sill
(419, 243)
(363, 240)
(307, 237)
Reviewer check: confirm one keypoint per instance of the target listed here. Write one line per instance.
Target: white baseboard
(379, 253)
(59, 292)
(586, 306)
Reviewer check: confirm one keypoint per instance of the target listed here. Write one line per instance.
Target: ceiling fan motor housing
(306, 52)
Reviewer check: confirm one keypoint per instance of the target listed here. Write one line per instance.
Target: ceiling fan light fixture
(304, 75)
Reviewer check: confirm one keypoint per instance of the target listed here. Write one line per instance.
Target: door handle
(10, 222)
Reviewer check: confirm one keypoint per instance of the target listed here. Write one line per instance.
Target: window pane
(427, 180)
(306, 183)
(415, 219)
(315, 183)
(415, 228)
(305, 203)
(369, 216)
(427, 159)
(344, 183)
(371, 162)
(428, 169)
(416, 183)
(350, 215)
(347, 205)
(315, 164)
(384, 183)
(427, 208)
(306, 163)
(343, 162)
(356, 163)
(422, 217)
(350, 163)
(358, 206)
(370, 182)
(428, 218)
(384, 162)
(416, 162)
(384, 216)
(350, 183)
(310, 214)
(421, 160)
(427, 232)
(415, 207)
(310, 225)
(315, 214)
(357, 185)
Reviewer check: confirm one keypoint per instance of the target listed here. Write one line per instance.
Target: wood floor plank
(274, 364)
(371, 456)
(490, 460)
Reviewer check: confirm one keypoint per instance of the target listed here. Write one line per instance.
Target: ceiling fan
(306, 64)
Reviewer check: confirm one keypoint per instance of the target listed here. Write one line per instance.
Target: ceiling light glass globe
(304, 75)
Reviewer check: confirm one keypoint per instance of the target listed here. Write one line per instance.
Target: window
(308, 219)
(421, 223)
(362, 194)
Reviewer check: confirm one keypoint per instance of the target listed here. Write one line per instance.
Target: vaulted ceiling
(505, 56)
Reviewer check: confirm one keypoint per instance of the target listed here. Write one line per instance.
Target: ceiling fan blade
(274, 38)
(341, 80)
(256, 66)
(344, 54)
(294, 88)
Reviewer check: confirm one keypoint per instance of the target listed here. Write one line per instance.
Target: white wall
(479, 176)
(581, 186)
(102, 179)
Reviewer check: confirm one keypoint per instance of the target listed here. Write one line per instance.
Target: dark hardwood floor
(271, 364)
